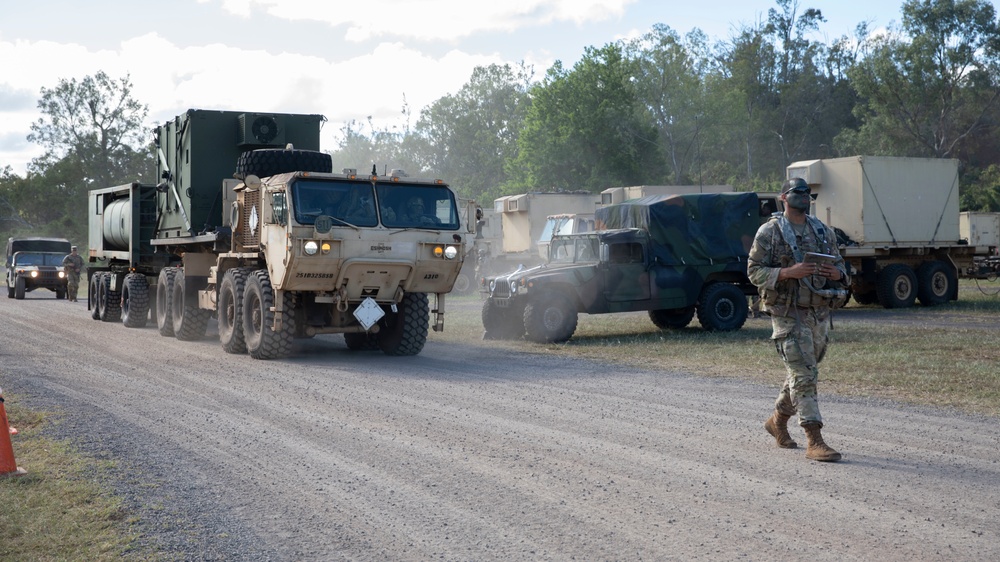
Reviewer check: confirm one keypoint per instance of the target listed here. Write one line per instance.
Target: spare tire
(268, 162)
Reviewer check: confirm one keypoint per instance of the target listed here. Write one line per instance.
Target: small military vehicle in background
(675, 256)
(36, 263)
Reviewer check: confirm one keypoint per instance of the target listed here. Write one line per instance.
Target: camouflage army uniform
(72, 265)
(799, 316)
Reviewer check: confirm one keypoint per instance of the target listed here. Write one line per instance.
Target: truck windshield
(417, 206)
(350, 202)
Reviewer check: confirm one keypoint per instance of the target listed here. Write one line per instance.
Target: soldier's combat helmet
(794, 184)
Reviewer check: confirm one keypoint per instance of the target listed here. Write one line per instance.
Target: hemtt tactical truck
(287, 249)
(674, 256)
(36, 263)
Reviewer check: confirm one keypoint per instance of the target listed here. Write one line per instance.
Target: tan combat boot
(817, 449)
(777, 426)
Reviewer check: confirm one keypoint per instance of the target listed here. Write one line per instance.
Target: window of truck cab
(351, 202)
(439, 210)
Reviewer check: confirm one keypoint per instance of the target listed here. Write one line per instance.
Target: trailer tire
(501, 323)
(550, 317)
(361, 341)
(19, 288)
(897, 286)
(164, 301)
(268, 162)
(109, 302)
(722, 307)
(231, 291)
(935, 283)
(258, 299)
(190, 322)
(871, 297)
(463, 283)
(93, 291)
(672, 318)
(405, 332)
(135, 301)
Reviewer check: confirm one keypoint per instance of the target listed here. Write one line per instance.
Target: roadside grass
(950, 363)
(58, 510)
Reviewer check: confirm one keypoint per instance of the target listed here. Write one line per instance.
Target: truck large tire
(405, 332)
(258, 319)
(164, 301)
(109, 303)
(10, 291)
(190, 322)
(870, 297)
(722, 307)
(272, 161)
(550, 317)
(93, 291)
(135, 301)
(60, 293)
(672, 318)
(231, 291)
(502, 323)
(897, 286)
(935, 283)
(19, 288)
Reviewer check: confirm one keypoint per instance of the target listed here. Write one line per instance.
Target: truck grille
(250, 237)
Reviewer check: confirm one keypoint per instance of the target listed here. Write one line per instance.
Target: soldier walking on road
(798, 294)
(72, 265)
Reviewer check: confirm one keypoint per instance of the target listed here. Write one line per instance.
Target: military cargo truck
(36, 263)
(897, 223)
(282, 248)
(674, 256)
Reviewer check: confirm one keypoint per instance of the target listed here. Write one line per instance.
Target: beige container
(980, 229)
(524, 215)
(885, 201)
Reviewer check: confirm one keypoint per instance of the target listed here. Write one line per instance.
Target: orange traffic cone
(8, 466)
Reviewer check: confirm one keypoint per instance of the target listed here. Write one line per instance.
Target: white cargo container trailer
(897, 223)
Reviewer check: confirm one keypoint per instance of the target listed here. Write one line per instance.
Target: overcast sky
(345, 60)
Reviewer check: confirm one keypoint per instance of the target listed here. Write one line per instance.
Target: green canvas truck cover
(694, 229)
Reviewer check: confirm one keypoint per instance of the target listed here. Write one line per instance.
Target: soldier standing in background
(72, 265)
(798, 295)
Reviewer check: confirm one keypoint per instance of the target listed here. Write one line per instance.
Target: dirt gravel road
(468, 453)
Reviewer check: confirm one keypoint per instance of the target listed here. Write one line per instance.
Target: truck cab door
(626, 272)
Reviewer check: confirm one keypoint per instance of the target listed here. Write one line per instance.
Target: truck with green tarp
(674, 256)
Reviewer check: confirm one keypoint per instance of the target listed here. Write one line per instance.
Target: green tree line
(663, 108)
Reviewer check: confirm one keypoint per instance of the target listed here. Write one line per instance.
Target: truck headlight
(310, 248)
(493, 285)
(62, 274)
(513, 287)
(450, 252)
(34, 274)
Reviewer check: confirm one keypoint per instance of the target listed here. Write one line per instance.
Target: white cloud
(217, 76)
(432, 20)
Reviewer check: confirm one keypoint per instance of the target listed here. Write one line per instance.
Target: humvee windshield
(24, 258)
(574, 250)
